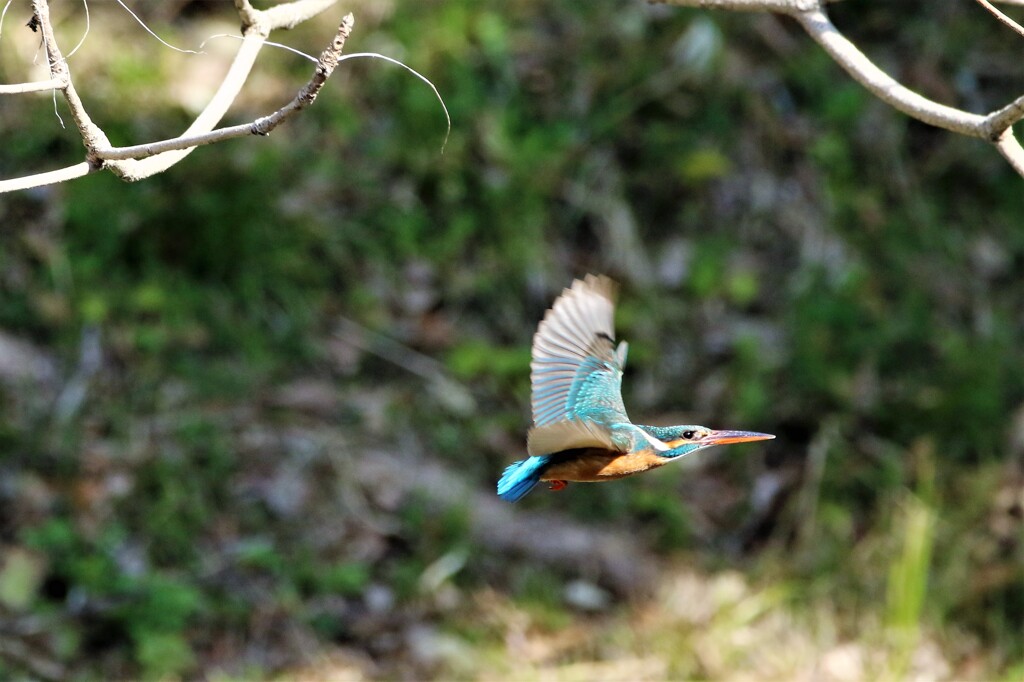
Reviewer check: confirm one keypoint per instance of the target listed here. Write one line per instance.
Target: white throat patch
(655, 443)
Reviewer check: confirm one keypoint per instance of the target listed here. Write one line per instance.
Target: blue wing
(576, 372)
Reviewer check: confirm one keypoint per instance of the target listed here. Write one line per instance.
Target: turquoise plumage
(580, 428)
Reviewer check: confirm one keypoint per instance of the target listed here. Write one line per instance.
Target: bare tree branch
(35, 86)
(881, 84)
(998, 14)
(92, 136)
(141, 161)
(256, 26)
(48, 178)
(994, 127)
(261, 126)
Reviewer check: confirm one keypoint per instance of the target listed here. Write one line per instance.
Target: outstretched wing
(576, 372)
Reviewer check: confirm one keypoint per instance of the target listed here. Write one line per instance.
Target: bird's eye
(688, 435)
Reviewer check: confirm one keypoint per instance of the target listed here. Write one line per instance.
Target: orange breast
(596, 464)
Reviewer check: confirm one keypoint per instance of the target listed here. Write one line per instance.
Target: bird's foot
(558, 485)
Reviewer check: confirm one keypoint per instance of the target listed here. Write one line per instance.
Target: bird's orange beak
(726, 437)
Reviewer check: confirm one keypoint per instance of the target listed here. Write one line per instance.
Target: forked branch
(141, 161)
(994, 127)
(262, 126)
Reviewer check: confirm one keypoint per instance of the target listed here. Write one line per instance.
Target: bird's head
(687, 438)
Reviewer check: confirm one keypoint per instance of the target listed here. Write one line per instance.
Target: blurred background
(252, 410)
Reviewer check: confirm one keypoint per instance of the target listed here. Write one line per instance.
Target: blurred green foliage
(792, 252)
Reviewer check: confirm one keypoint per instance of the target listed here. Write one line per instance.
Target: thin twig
(998, 14)
(85, 33)
(3, 13)
(91, 134)
(151, 32)
(256, 27)
(145, 160)
(261, 126)
(269, 43)
(140, 161)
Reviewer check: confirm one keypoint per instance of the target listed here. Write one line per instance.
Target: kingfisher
(580, 428)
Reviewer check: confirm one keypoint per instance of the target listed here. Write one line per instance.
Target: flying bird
(580, 428)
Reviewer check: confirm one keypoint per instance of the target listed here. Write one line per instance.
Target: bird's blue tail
(520, 477)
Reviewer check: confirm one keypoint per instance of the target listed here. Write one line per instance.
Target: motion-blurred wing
(576, 371)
